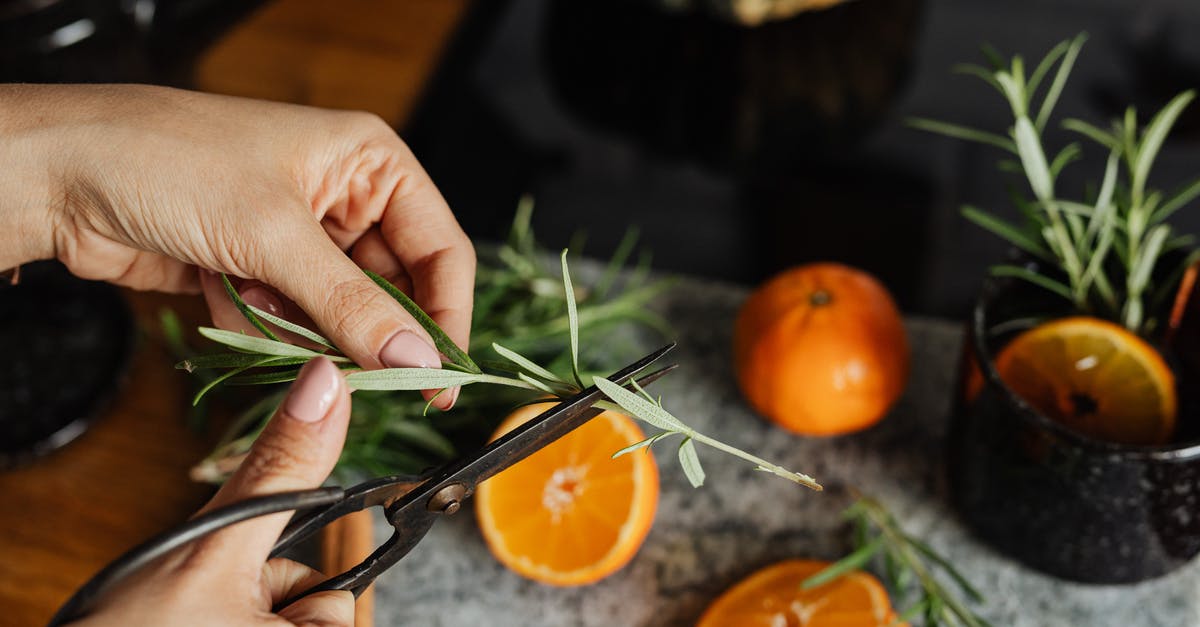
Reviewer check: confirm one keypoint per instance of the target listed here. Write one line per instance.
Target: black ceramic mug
(1054, 499)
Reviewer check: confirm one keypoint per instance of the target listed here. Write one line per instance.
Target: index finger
(426, 238)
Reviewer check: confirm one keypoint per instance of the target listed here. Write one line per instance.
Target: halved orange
(773, 596)
(1095, 377)
(570, 514)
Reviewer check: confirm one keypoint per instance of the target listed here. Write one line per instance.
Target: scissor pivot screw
(449, 499)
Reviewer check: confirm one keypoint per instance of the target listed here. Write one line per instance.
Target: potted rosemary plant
(1071, 448)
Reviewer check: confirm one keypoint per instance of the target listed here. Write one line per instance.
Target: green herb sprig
(908, 565)
(258, 360)
(1102, 251)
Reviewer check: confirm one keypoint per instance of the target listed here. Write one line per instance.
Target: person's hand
(225, 578)
(142, 185)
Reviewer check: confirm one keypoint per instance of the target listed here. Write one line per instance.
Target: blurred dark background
(736, 150)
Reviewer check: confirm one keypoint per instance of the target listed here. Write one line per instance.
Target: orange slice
(1095, 377)
(570, 514)
(772, 596)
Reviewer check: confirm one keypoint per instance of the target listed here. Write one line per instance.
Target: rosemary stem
(798, 477)
(883, 522)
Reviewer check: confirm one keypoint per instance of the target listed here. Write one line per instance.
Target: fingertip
(407, 350)
(314, 392)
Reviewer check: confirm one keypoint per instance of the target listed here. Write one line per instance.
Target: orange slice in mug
(1095, 377)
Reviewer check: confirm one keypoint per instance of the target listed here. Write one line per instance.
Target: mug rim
(992, 287)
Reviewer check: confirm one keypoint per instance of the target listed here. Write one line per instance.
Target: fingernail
(263, 299)
(314, 391)
(451, 397)
(407, 350)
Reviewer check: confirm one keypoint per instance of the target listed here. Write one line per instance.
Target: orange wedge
(773, 596)
(570, 514)
(1095, 377)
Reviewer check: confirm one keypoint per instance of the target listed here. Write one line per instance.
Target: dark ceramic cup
(1054, 499)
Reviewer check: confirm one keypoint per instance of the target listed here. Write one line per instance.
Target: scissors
(411, 504)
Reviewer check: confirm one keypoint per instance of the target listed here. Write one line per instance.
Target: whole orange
(820, 349)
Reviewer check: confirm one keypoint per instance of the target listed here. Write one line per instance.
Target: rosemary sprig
(1102, 251)
(270, 360)
(908, 565)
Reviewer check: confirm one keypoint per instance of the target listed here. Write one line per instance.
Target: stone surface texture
(706, 539)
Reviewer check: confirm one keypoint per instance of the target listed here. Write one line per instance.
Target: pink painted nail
(407, 350)
(263, 299)
(314, 391)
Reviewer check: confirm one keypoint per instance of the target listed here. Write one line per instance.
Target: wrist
(27, 213)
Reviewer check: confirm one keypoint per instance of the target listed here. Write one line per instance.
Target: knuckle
(272, 457)
(352, 303)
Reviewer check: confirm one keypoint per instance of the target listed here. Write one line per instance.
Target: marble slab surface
(705, 539)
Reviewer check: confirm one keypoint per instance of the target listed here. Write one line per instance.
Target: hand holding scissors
(222, 566)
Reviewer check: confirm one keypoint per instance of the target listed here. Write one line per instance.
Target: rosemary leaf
(245, 309)
(1029, 149)
(410, 379)
(690, 462)
(286, 325)
(1095, 134)
(639, 407)
(440, 339)
(1033, 277)
(1156, 134)
(963, 132)
(525, 363)
(259, 345)
(1060, 80)
(852, 562)
(231, 360)
(1176, 200)
(1006, 231)
(572, 318)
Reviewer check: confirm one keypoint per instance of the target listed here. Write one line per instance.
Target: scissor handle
(136, 558)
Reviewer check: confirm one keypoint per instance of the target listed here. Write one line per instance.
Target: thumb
(361, 319)
(296, 450)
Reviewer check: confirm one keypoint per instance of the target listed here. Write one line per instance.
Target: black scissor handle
(136, 558)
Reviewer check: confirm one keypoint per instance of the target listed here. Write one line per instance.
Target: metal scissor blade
(543, 429)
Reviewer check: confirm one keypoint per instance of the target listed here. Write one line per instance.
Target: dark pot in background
(66, 345)
(1053, 499)
(687, 84)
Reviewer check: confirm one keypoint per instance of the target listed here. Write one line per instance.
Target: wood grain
(68, 514)
(345, 543)
(372, 55)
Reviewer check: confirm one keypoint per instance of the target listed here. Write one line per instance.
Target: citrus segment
(773, 597)
(1095, 377)
(570, 514)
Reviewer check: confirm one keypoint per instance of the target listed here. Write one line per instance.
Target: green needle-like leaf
(525, 363)
(572, 319)
(1060, 80)
(639, 407)
(287, 325)
(962, 132)
(690, 462)
(1007, 231)
(252, 344)
(410, 379)
(1033, 277)
(852, 562)
(245, 309)
(1156, 134)
(440, 339)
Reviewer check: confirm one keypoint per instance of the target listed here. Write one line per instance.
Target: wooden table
(65, 516)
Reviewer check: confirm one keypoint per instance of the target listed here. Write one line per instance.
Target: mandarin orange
(821, 350)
